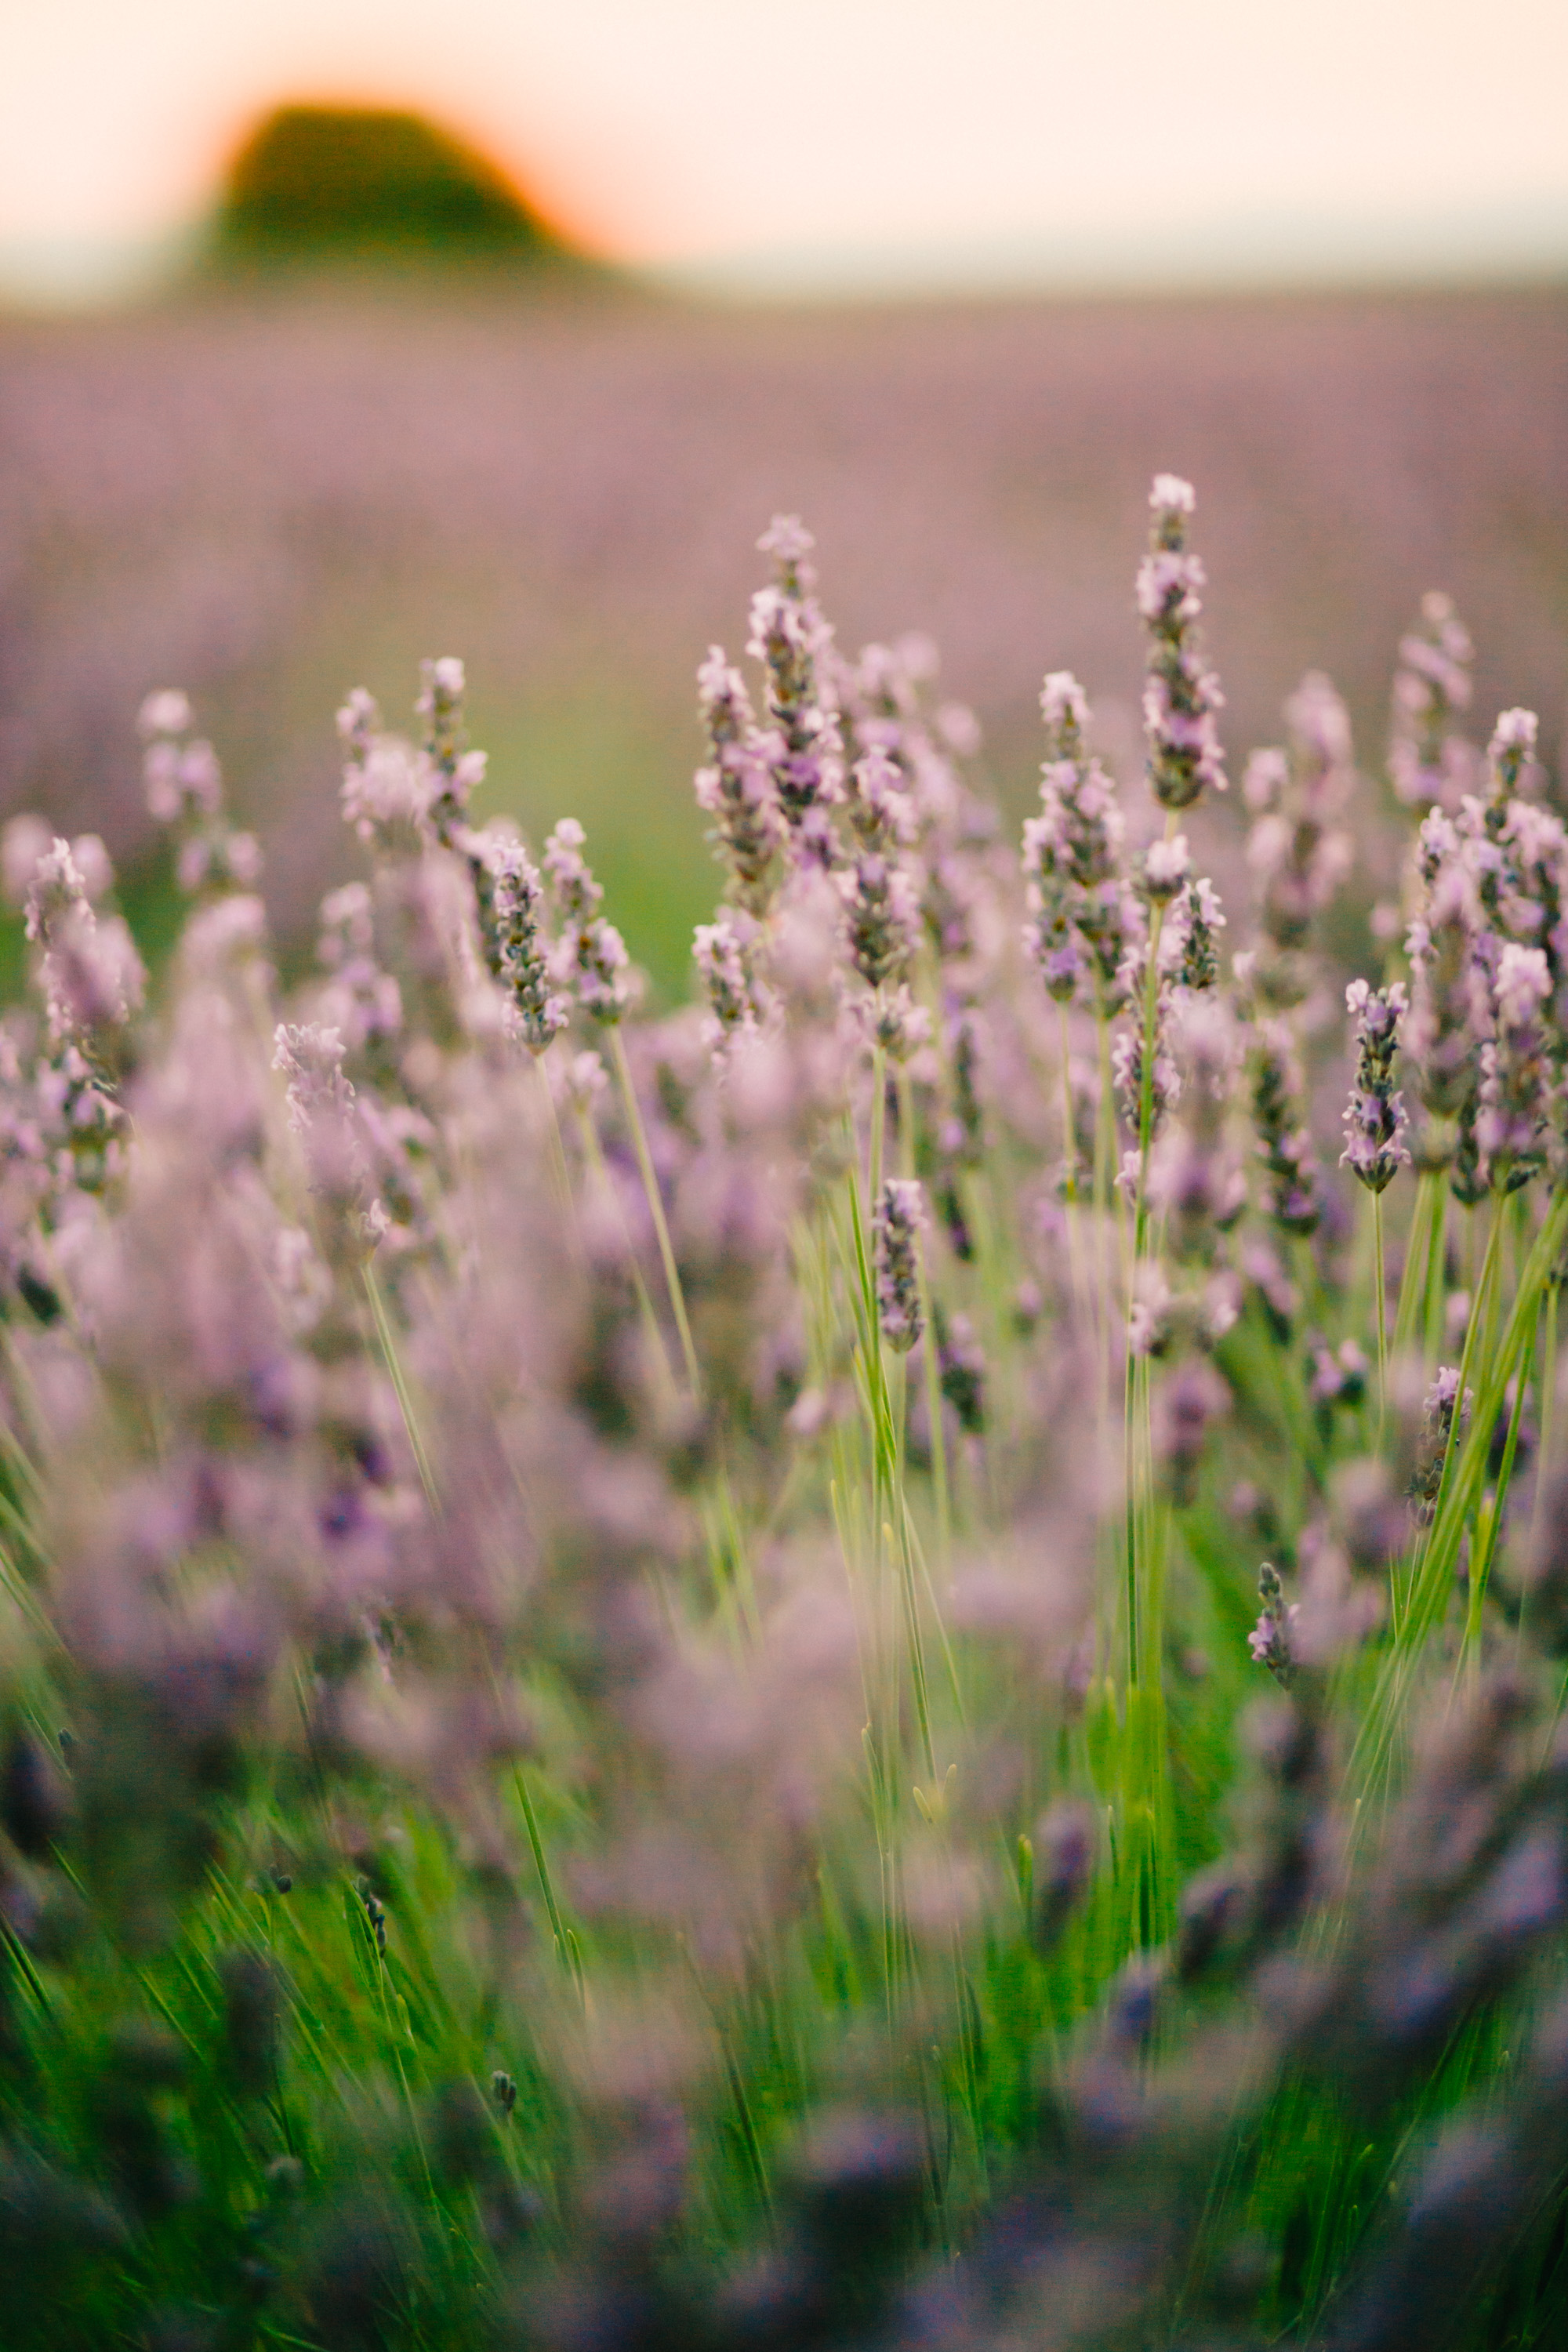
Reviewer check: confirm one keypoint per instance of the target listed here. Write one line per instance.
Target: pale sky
(842, 144)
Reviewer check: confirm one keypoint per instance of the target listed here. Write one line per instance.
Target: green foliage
(345, 183)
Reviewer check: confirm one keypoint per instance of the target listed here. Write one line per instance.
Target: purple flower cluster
(1080, 915)
(1429, 763)
(1181, 695)
(1375, 1116)
(793, 643)
(1486, 947)
(1270, 1640)
(897, 1224)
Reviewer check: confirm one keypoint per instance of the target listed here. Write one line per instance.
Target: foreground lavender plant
(553, 1789)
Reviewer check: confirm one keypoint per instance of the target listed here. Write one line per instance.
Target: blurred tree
(338, 181)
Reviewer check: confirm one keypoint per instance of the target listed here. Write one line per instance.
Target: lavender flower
(592, 955)
(896, 1022)
(1165, 870)
(1191, 1398)
(726, 952)
(325, 1113)
(1374, 1116)
(386, 785)
(1270, 1639)
(1072, 850)
(1128, 1055)
(794, 642)
(1337, 1375)
(1194, 923)
(961, 1363)
(1194, 1180)
(1428, 761)
(1449, 952)
(360, 1000)
(1510, 754)
(736, 787)
(310, 1059)
(881, 906)
(962, 1133)
(879, 810)
(1517, 1079)
(896, 1224)
(1284, 1140)
(1181, 694)
(1295, 850)
(1438, 1425)
(517, 900)
(456, 771)
(184, 792)
(92, 976)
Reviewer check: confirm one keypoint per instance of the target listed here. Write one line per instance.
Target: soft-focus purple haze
(267, 505)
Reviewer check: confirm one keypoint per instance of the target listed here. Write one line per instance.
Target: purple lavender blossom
(456, 771)
(882, 910)
(517, 899)
(1181, 695)
(792, 640)
(1374, 1117)
(184, 792)
(1439, 1408)
(591, 956)
(91, 975)
(1295, 848)
(1429, 763)
(1270, 1639)
(1284, 1140)
(726, 954)
(736, 787)
(897, 1224)
(1072, 852)
(1517, 1082)
(1193, 925)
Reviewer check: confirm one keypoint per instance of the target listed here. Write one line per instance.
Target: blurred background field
(268, 490)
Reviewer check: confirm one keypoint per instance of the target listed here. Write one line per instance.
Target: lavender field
(784, 1509)
(268, 501)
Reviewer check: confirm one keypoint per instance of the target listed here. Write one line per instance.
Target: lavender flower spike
(1270, 1640)
(92, 976)
(517, 899)
(792, 640)
(736, 788)
(1182, 693)
(592, 953)
(1374, 1116)
(1439, 1408)
(455, 771)
(1428, 761)
(1074, 892)
(897, 1224)
(725, 952)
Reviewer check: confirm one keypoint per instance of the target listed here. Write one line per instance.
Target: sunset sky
(842, 144)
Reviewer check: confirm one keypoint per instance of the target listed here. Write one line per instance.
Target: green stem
(1463, 1472)
(1485, 1550)
(1380, 1312)
(1069, 1130)
(394, 1364)
(1136, 1386)
(605, 1182)
(656, 1207)
(1436, 1275)
(1548, 1414)
(566, 1950)
(1417, 1257)
(929, 1335)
